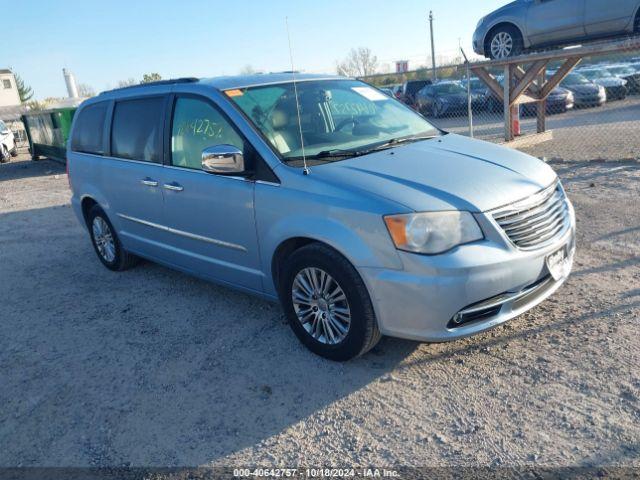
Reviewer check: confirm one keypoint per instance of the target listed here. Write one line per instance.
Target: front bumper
(478, 44)
(493, 277)
(616, 93)
(590, 100)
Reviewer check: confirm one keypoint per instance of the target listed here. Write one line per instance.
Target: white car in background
(8, 146)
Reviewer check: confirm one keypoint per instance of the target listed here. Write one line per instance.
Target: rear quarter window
(88, 132)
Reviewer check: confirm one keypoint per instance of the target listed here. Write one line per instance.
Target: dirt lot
(152, 367)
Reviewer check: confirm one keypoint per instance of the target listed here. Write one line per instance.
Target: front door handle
(176, 187)
(149, 182)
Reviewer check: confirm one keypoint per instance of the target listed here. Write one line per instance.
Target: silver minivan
(357, 214)
(526, 24)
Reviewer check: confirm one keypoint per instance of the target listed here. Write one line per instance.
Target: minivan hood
(451, 172)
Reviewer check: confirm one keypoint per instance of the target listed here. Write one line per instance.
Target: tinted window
(89, 129)
(334, 115)
(136, 129)
(198, 125)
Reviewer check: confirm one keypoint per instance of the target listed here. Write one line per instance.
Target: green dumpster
(48, 132)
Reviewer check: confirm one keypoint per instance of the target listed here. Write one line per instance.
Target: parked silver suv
(526, 24)
(360, 216)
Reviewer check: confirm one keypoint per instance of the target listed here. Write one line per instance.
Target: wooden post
(508, 125)
(542, 105)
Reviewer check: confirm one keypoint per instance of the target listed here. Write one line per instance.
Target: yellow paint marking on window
(234, 93)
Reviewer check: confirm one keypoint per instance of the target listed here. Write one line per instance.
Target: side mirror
(223, 160)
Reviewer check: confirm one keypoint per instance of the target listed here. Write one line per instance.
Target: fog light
(457, 318)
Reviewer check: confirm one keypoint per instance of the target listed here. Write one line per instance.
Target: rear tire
(14, 152)
(504, 42)
(316, 304)
(106, 242)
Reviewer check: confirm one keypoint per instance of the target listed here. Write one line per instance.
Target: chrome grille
(535, 221)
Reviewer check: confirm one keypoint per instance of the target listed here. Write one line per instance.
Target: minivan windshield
(338, 118)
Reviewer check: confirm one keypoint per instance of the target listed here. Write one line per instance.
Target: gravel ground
(152, 367)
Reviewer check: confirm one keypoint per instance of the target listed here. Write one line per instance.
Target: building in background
(9, 96)
(402, 66)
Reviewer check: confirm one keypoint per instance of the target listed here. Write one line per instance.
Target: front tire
(504, 42)
(5, 156)
(106, 242)
(437, 109)
(327, 303)
(14, 152)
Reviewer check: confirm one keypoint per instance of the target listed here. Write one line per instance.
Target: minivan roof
(243, 81)
(236, 81)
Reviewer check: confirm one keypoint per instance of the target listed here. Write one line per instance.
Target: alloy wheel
(321, 305)
(501, 45)
(103, 239)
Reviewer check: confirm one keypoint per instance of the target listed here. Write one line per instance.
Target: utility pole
(433, 48)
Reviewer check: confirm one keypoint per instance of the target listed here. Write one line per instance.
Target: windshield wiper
(399, 141)
(342, 153)
(329, 154)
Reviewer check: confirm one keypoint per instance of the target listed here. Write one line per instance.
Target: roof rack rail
(153, 84)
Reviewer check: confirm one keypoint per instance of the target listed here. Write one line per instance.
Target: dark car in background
(527, 24)
(626, 73)
(409, 90)
(444, 98)
(585, 92)
(615, 87)
(478, 93)
(387, 91)
(559, 100)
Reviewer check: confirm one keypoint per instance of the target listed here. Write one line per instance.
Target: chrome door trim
(193, 236)
(265, 182)
(149, 182)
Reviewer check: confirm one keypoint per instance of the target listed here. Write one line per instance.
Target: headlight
(570, 96)
(433, 232)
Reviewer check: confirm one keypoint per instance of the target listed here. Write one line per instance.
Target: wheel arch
(358, 252)
(284, 250)
(501, 24)
(86, 204)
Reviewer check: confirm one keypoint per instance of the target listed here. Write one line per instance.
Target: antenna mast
(295, 91)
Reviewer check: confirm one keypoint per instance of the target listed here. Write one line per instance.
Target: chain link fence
(594, 113)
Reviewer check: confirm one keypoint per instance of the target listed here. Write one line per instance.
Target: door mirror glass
(223, 159)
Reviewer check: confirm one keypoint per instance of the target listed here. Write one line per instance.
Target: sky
(103, 42)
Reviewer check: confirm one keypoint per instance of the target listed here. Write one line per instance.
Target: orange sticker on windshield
(234, 93)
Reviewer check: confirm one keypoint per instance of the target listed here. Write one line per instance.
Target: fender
(377, 251)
